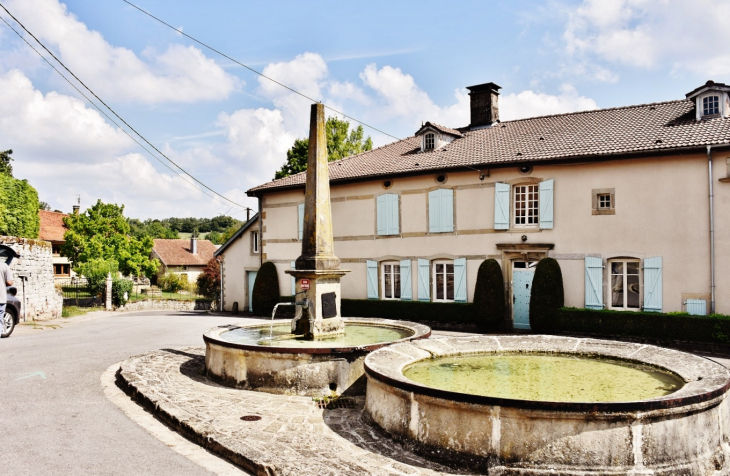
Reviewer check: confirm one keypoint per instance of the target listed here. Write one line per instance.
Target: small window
(62, 269)
(604, 201)
(429, 141)
(390, 280)
(443, 281)
(255, 242)
(625, 284)
(56, 249)
(526, 205)
(710, 105)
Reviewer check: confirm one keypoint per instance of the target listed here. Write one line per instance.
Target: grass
(164, 296)
(71, 311)
(71, 292)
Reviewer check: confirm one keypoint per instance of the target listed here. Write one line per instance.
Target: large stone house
(633, 202)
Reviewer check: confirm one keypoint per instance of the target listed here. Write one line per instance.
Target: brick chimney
(76, 209)
(484, 104)
(194, 245)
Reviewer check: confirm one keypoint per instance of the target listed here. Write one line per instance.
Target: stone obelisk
(317, 270)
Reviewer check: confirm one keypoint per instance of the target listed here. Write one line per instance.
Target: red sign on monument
(305, 284)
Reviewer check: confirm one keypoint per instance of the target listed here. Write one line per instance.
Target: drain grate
(337, 403)
(250, 418)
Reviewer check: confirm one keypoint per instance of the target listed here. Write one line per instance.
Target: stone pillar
(317, 265)
(108, 292)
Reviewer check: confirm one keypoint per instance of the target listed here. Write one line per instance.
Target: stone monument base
(321, 315)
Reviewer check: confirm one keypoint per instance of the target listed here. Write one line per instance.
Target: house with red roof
(52, 230)
(633, 202)
(184, 257)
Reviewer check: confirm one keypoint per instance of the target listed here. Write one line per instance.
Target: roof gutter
(712, 232)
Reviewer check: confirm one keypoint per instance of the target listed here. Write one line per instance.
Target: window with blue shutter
(594, 283)
(387, 210)
(293, 279)
(423, 280)
(372, 279)
(546, 204)
(653, 284)
(502, 193)
(696, 307)
(301, 220)
(406, 288)
(460, 280)
(441, 211)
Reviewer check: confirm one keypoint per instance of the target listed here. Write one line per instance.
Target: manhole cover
(250, 418)
(337, 403)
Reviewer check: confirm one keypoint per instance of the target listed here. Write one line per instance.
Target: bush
(674, 326)
(172, 282)
(18, 208)
(451, 312)
(265, 290)
(489, 295)
(547, 295)
(209, 281)
(119, 287)
(96, 272)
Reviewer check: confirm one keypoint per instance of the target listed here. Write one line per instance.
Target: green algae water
(354, 336)
(544, 377)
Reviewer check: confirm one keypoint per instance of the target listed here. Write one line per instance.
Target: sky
(391, 65)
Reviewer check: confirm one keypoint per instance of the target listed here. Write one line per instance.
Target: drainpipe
(712, 233)
(261, 231)
(220, 267)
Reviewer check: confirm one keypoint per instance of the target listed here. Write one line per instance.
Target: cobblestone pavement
(293, 437)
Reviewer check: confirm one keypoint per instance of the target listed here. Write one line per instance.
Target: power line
(255, 71)
(105, 105)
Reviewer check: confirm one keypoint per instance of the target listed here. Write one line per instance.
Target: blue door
(521, 290)
(251, 281)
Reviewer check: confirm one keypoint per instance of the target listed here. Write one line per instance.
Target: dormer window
(429, 141)
(710, 105)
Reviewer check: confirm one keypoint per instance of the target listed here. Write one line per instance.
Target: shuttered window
(696, 307)
(301, 220)
(625, 284)
(653, 284)
(406, 288)
(387, 209)
(372, 279)
(501, 206)
(390, 280)
(443, 281)
(424, 280)
(593, 282)
(441, 211)
(526, 211)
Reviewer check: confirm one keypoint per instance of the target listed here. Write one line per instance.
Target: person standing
(6, 276)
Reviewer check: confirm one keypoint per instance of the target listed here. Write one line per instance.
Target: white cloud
(649, 33)
(179, 74)
(531, 104)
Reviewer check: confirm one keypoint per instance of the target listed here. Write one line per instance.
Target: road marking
(31, 374)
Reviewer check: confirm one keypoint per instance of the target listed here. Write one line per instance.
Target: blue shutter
(653, 284)
(501, 205)
(424, 289)
(372, 268)
(594, 283)
(293, 279)
(697, 307)
(447, 210)
(301, 220)
(460, 280)
(546, 205)
(434, 212)
(382, 210)
(406, 288)
(393, 223)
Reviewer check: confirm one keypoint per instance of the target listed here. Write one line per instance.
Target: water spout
(273, 313)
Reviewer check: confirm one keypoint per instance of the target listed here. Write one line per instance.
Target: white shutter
(382, 218)
(393, 222)
(546, 204)
(447, 210)
(594, 283)
(301, 220)
(406, 288)
(293, 279)
(653, 284)
(372, 278)
(434, 212)
(424, 288)
(502, 193)
(460, 280)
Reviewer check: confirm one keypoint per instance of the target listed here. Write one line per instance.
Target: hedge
(712, 329)
(18, 208)
(265, 293)
(489, 305)
(547, 295)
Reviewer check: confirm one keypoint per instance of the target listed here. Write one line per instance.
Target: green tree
(102, 233)
(5, 167)
(489, 305)
(341, 142)
(18, 208)
(44, 206)
(209, 281)
(547, 295)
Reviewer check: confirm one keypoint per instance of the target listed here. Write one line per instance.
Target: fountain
(320, 353)
(534, 405)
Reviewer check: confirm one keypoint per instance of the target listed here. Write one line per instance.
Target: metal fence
(76, 291)
(74, 288)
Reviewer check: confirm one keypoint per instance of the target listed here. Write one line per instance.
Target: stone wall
(168, 305)
(42, 300)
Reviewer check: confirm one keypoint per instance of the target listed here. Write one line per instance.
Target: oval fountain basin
(545, 377)
(532, 405)
(247, 357)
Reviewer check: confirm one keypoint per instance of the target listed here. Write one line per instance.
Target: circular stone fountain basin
(268, 358)
(524, 405)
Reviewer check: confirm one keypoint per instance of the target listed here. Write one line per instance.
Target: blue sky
(389, 64)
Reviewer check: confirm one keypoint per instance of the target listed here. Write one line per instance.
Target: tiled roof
(440, 128)
(177, 252)
(644, 128)
(52, 227)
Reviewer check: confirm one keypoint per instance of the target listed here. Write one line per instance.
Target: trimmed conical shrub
(489, 296)
(265, 290)
(547, 295)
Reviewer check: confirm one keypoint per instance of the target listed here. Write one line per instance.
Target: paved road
(63, 424)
